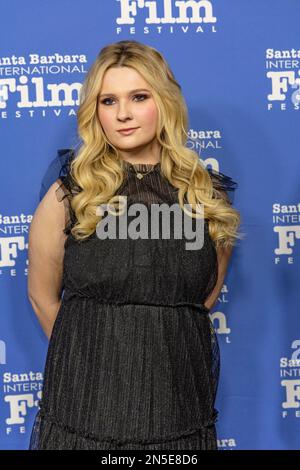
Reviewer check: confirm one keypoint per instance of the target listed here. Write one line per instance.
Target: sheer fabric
(133, 360)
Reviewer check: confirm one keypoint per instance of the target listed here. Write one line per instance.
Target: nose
(123, 111)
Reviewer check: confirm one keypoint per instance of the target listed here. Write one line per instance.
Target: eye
(143, 96)
(135, 96)
(105, 100)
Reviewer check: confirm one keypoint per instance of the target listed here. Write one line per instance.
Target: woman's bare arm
(45, 257)
(223, 255)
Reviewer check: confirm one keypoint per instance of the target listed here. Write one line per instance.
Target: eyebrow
(129, 93)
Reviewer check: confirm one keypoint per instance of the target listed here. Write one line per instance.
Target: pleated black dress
(133, 359)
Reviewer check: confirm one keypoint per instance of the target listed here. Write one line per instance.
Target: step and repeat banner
(238, 64)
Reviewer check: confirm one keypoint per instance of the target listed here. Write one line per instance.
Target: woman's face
(120, 106)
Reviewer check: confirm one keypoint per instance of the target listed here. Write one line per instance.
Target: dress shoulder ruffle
(222, 182)
(67, 187)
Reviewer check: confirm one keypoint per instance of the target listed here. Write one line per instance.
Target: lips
(128, 131)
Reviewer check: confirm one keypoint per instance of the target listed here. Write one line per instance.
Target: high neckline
(141, 166)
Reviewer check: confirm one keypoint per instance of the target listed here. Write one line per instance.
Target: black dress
(133, 358)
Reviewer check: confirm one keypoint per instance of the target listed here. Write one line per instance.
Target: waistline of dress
(70, 294)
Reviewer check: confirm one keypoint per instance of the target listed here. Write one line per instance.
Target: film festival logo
(205, 140)
(283, 72)
(220, 318)
(26, 88)
(286, 220)
(18, 399)
(290, 374)
(16, 396)
(14, 244)
(10, 246)
(169, 15)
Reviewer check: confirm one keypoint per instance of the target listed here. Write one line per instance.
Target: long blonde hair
(97, 168)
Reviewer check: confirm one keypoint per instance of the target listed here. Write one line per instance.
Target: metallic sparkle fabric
(133, 359)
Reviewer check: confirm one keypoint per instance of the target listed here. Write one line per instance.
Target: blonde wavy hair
(97, 169)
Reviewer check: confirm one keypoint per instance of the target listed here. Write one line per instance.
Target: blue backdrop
(239, 68)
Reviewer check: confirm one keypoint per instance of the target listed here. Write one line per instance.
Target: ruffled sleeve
(67, 188)
(224, 183)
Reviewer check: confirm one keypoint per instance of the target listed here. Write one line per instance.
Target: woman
(133, 359)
